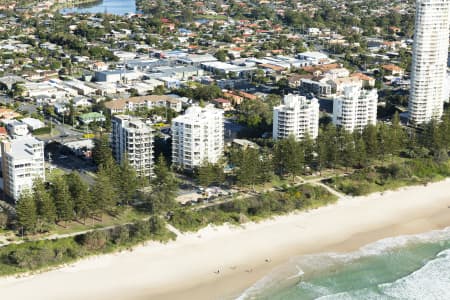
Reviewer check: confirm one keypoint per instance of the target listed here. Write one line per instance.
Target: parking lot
(190, 194)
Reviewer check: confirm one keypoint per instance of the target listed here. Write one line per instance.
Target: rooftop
(21, 148)
(120, 103)
(196, 113)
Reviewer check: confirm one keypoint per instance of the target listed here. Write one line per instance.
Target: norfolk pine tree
(164, 188)
(45, 205)
(63, 199)
(249, 165)
(79, 191)
(128, 182)
(26, 213)
(104, 194)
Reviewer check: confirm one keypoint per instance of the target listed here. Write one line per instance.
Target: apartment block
(143, 102)
(297, 116)
(356, 108)
(132, 138)
(429, 61)
(197, 137)
(22, 163)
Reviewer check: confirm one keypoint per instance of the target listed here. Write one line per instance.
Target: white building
(133, 138)
(143, 102)
(32, 123)
(117, 76)
(356, 108)
(314, 58)
(297, 116)
(429, 60)
(41, 89)
(336, 73)
(81, 101)
(197, 137)
(22, 163)
(16, 128)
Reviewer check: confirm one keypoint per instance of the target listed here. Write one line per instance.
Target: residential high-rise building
(429, 60)
(356, 108)
(133, 138)
(297, 116)
(197, 137)
(22, 163)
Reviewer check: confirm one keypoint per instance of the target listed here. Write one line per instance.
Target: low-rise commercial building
(91, 117)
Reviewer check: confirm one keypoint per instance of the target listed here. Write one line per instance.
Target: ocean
(406, 267)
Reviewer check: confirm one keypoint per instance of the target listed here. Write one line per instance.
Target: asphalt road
(68, 162)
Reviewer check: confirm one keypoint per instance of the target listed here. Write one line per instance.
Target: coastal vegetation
(42, 254)
(390, 177)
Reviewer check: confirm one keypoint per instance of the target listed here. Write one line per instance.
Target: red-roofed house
(393, 70)
(367, 81)
(236, 99)
(247, 95)
(222, 103)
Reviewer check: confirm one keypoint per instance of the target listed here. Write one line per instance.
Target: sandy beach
(187, 268)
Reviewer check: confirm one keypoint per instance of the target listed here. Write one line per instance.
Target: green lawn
(55, 132)
(52, 174)
(128, 215)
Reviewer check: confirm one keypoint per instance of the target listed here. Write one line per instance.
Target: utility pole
(51, 126)
(63, 129)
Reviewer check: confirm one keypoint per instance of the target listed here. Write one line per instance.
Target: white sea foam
(377, 248)
(287, 272)
(299, 274)
(319, 290)
(389, 244)
(318, 262)
(431, 282)
(366, 294)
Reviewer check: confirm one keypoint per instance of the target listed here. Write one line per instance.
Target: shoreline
(186, 268)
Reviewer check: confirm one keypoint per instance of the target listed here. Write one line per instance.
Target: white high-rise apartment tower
(429, 60)
(297, 116)
(197, 137)
(356, 108)
(133, 138)
(22, 163)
